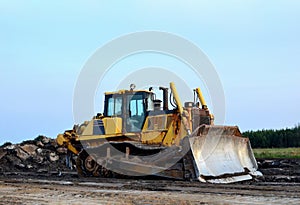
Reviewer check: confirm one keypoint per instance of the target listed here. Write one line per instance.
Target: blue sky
(254, 46)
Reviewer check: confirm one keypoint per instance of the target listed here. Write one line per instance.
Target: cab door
(136, 109)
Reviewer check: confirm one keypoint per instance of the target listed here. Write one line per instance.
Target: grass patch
(289, 153)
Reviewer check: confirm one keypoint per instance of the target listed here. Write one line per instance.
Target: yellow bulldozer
(138, 135)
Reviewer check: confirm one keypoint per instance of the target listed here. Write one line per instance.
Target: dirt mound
(41, 155)
(280, 170)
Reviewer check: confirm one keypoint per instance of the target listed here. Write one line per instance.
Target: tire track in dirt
(126, 191)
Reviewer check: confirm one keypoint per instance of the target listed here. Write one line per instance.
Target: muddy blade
(222, 155)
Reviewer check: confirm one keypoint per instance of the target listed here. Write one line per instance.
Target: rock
(3, 152)
(20, 165)
(49, 146)
(39, 144)
(61, 150)
(53, 157)
(39, 159)
(260, 178)
(29, 166)
(42, 171)
(269, 164)
(10, 147)
(45, 140)
(39, 151)
(275, 163)
(21, 154)
(29, 149)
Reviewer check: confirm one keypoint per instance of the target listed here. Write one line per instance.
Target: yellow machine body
(136, 136)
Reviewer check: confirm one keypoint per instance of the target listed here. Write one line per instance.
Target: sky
(253, 45)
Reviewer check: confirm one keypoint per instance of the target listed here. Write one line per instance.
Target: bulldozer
(139, 135)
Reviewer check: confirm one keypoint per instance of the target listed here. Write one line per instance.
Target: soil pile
(280, 170)
(39, 155)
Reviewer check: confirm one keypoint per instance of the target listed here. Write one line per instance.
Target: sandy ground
(18, 189)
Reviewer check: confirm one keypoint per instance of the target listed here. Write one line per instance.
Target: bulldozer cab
(131, 106)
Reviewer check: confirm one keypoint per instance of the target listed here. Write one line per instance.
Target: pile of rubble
(39, 155)
(280, 170)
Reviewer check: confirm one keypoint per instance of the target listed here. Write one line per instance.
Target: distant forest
(289, 137)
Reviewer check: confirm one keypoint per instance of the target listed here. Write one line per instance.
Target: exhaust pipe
(165, 98)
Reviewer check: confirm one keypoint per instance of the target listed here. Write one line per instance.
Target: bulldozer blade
(222, 155)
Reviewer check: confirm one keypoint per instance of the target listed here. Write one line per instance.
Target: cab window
(114, 106)
(137, 107)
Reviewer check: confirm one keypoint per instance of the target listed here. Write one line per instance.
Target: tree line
(283, 138)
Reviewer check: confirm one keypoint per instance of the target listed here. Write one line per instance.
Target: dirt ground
(35, 172)
(33, 188)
